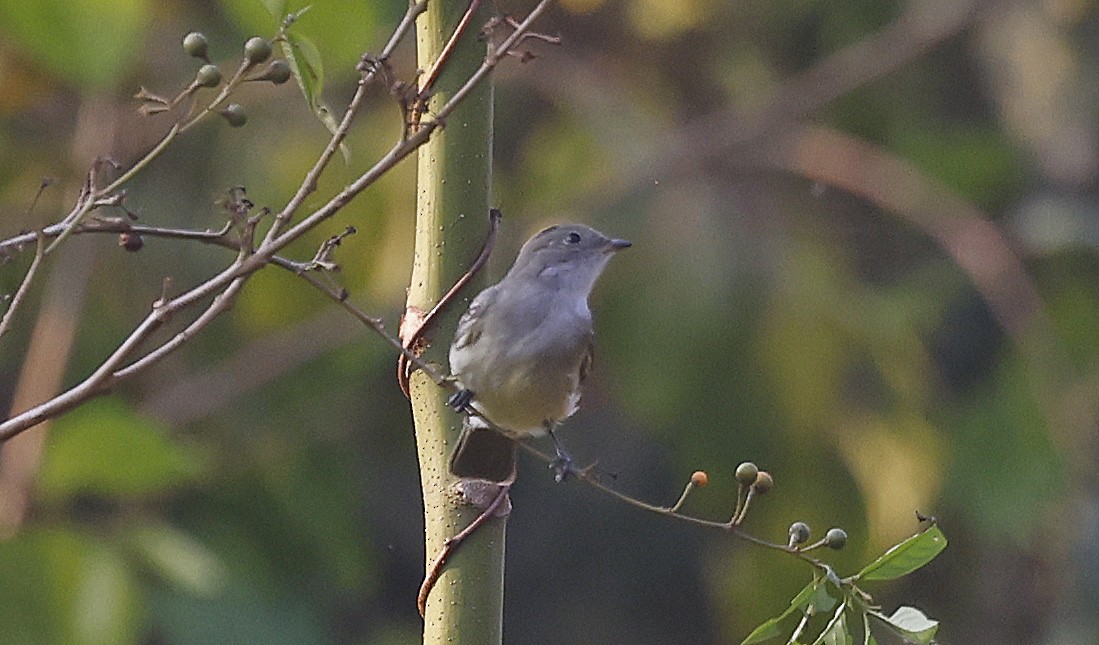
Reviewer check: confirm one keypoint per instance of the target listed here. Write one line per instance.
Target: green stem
(466, 603)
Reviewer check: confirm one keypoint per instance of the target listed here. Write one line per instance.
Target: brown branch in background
(923, 25)
(56, 325)
(412, 330)
(895, 185)
(727, 134)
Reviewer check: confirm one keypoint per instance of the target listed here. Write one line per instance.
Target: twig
(228, 282)
(144, 161)
(340, 297)
(427, 81)
(221, 303)
(586, 476)
(223, 94)
(309, 183)
(17, 299)
(410, 339)
(105, 376)
(451, 544)
(405, 146)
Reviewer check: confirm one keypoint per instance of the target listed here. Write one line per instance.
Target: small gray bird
(523, 348)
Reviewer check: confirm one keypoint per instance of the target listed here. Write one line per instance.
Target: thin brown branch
(224, 286)
(588, 477)
(222, 302)
(339, 296)
(309, 183)
(410, 338)
(24, 286)
(405, 146)
(451, 544)
(427, 81)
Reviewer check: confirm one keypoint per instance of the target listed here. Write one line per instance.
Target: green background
(864, 258)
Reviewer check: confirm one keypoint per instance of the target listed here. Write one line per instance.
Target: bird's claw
(562, 467)
(460, 401)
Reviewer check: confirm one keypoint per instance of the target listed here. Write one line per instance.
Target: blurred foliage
(261, 484)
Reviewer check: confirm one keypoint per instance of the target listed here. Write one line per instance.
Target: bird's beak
(618, 245)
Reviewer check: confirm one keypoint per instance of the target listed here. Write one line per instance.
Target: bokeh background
(864, 258)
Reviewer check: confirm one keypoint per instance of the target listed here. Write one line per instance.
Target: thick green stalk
(466, 603)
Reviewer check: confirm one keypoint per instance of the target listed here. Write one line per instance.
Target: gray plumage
(525, 345)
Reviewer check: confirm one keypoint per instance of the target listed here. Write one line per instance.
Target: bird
(523, 349)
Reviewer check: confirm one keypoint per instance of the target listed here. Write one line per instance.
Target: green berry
(278, 72)
(257, 50)
(799, 533)
(746, 473)
(208, 76)
(764, 482)
(234, 114)
(835, 539)
(194, 44)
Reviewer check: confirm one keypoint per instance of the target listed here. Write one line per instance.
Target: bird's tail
(483, 453)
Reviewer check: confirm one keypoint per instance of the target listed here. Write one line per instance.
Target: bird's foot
(460, 401)
(563, 466)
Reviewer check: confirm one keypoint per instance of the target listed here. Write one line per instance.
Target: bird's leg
(460, 401)
(562, 466)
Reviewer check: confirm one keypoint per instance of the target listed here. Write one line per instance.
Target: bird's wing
(588, 359)
(471, 323)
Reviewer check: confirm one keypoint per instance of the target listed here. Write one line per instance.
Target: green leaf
(106, 603)
(105, 448)
(835, 632)
(305, 62)
(277, 8)
(905, 557)
(823, 602)
(911, 623)
(66, 587)
(769, 629)
(180, 559)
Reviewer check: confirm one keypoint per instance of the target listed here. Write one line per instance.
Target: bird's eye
(572, 238)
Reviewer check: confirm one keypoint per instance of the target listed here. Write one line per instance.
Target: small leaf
(905, 557)
(277, 8)
(305, 62)
(766, 631)
(910, 623)
(769, 629)
(308, 69)
(835, 632)
(823, 602)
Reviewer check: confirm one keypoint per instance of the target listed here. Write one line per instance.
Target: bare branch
(17, 299)
(309, 183)
(427, 81)
(224, 286)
